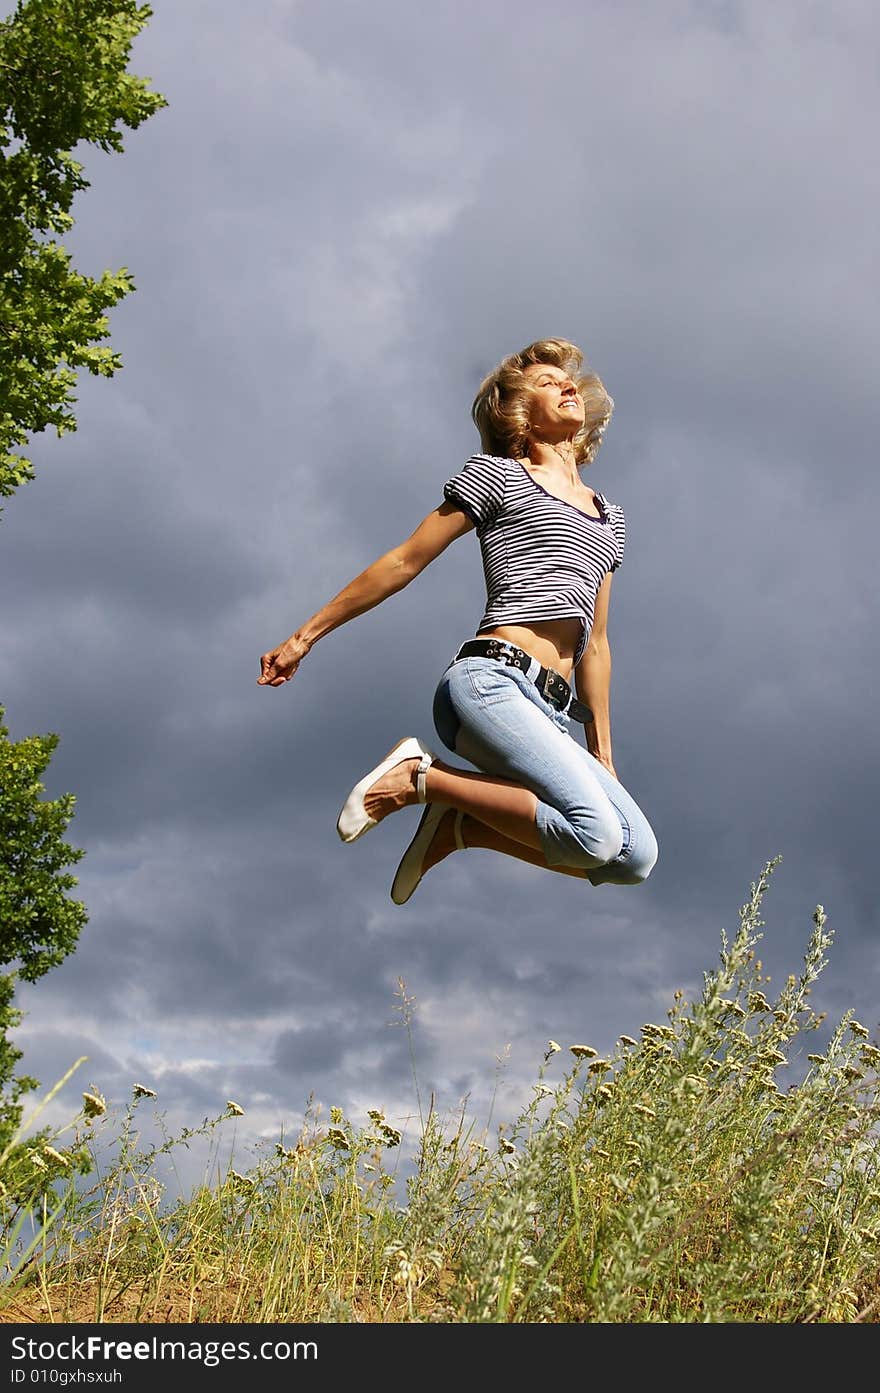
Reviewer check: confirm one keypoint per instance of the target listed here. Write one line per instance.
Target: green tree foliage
(39, 923)
(63, 83)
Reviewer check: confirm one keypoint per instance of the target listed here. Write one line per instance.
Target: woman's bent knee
(633, 868)
(646, 858)
(637, 872)
(604, 844)
(580, 842)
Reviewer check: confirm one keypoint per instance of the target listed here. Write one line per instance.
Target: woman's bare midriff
(553, 643)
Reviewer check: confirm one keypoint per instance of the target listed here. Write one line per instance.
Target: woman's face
(556, 407)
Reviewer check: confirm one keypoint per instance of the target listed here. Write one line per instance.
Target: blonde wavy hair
(501, 407)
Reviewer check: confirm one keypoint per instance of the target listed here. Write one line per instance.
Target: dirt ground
(183, 1305)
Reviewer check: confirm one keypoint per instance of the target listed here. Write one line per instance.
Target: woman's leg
(637, 858)
(587, 821)
(501, 815)
(494, 717)
(499, 803)
(535, 788)
(473, 834)
(638, 855)
(541, 796)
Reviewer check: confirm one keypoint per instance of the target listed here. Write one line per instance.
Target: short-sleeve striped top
(543, 558)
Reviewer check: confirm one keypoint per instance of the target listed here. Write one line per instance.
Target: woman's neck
(558, 458)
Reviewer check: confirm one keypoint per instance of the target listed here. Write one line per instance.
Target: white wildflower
(94, 1104)
(234, 1109)
(408, 1272)
(140, 1090)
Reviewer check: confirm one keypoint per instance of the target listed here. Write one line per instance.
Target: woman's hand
(279, 665)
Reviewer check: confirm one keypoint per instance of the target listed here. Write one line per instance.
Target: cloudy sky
(347, 214)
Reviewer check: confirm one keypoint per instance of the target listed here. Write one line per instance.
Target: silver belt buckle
(556, 689)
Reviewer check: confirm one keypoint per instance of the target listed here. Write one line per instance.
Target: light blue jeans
(495, 717)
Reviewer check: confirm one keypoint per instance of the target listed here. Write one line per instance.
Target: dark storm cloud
(345, 217)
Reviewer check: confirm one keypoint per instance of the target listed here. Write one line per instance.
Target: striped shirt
(543, 558)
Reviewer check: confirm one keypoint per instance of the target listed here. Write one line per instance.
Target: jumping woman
(540, 658)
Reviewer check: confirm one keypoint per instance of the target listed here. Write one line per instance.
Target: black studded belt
(551, 684)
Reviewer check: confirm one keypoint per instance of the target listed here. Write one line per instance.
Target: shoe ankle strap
(421, 788)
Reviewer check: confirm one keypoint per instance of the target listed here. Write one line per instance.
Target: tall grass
(687, 1176)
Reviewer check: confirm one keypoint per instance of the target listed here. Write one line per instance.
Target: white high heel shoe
(354, 820)
(411, 868)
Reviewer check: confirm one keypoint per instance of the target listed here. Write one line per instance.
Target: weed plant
(682, 1178)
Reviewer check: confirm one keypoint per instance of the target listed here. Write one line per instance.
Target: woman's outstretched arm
(386, 575)
(593, 680)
